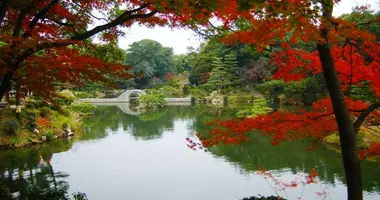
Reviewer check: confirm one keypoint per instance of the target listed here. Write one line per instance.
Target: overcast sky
(180, 39)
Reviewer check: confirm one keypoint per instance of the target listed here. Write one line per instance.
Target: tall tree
(345, 56)
(223, 74)
(149, 58)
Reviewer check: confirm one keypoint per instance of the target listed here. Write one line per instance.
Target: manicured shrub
(151, 101)
(13, 126)
(169, 91)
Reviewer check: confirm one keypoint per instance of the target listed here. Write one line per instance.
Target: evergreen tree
(223, 74)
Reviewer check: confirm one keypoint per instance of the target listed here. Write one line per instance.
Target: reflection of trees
(29, 171)
(149, 125)
(259, 153)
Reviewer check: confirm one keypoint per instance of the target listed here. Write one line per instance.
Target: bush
(30, 105)
(169, 91)
(309, 89)
(65, 97)
(45, 112)
(13, 126)
(83, 95)
(240, 97)
(59, 120)
(198, 93)
(30, 116)
(259, 107)
(151, 101)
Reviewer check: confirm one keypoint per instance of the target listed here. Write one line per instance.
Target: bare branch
(126, 16)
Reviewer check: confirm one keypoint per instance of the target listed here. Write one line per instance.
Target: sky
(180, 39)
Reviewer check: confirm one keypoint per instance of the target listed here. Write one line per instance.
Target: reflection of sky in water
(119, 167)
(127, 163)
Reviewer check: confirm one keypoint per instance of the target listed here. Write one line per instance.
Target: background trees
(38, 36)
(149, 59)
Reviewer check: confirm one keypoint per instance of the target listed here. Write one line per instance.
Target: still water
(145, 157)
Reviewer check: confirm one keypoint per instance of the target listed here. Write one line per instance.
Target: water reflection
(131, 154)
(28, 173)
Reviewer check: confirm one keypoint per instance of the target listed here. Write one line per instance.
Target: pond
(145, 157)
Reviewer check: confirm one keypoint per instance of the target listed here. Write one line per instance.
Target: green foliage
(198, 93)
(83, 108)
(13, 127)
(79, 196)
(169, 91)
(45, 112)
(59, 120)
(83, 95)
(65, 97)
(241, 97)
(184, 63)
(363, 93)
(5, 193)
(148, 59)
(309, 89)
(361, 18)
(29, 115)
(223, 74)
(151, 101)
(259, 107)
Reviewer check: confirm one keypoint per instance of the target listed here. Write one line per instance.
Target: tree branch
(121, 19)
(40, 15)
(20, 18)
(60, 23)
(126, 16)
(359, 121)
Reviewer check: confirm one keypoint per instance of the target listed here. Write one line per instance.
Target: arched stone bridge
(123, 101)
(125, 97)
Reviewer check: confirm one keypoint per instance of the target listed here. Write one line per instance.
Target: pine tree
(223, 74)
(231, 63)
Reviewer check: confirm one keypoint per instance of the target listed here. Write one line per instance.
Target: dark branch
(89, 13)
(359, 121)
(20, 18)
(40, 15)
(61, 23)
(120, 20)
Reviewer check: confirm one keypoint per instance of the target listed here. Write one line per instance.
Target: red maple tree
(40, 40)
(345, 55)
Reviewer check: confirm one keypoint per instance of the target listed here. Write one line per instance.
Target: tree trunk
(347, 134)
(18, 95)
(6, 83)
(7, 95)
